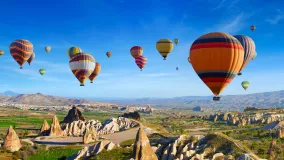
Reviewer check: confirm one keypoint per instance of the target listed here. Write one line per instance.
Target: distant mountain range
(261, 100)
(38, 99)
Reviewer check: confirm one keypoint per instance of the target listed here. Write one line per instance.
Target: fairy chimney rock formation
(90, 135)
(44, 130)
(142, 149)
(12, 141)
(74, 114)
(55, 129)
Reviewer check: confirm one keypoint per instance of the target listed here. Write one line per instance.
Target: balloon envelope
(252, 27)
(136, 51)
(72, 51)
(30, 60)
(216, 58)
(245, 84)
(254, 55)
(141, 61)
(47, 49)
(176, 41)
(21, 50)
(249, 49)
(164, 47)
(95, 73)
(108, 54)
(1, 52)
(42, 71)
(82, 66)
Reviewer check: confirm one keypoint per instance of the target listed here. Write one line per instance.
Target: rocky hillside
(40, 99)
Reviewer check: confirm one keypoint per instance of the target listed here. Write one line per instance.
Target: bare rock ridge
(12, 141)
(133, 115)
(44, 130)
(55, 128)
(73, 115)
(142, 149)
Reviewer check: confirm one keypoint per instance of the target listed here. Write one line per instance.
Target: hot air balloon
(188, 59)
(108, 54)
(249, 49)
(164, 46)
(42, 71)
(136, 51)
(47, 49)
(176, 41)
(177, 68)
(82, 66)
(216, 58)
(254, 55)
(95, 73)
(1, 52)
(245, 84)
(72, 51)
(252, 27)
(30, 60)
(21, 50)
(141, 61)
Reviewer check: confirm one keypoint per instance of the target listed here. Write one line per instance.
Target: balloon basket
(239, 73)
(81, 84)
(91, 81)
(216, 98)
(21, 67)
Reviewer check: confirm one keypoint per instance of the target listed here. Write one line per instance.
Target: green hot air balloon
(42, 71)
(245, 84)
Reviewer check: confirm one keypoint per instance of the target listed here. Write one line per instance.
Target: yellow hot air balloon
(72, 51)
(1, 52)
(165, 47)
(216, 58)
(188, 59)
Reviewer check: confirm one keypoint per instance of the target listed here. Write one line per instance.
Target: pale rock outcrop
(218, 156)
(12, 141)
(229, 157)
(93, 150)
(197, 157)
(142, 149)
(244, 157)
(90, 135)
(44, 130)
(55, 128)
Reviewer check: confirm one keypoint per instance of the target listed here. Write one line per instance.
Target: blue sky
(117, 25)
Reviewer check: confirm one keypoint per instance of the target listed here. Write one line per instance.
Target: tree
(260, 151)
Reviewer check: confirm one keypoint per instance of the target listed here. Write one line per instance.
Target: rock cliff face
(142, 149)
(133, 115)
(78, 128)
(55, 128)
(74, 114)
(44, 130)
(12, 141)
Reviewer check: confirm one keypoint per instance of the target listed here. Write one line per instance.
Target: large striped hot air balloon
(108, 54)
(47, 49)
(82, 66)
(72, 51)
(136, 51)
(141, 61)
(245, 84)
(216, 58)
(96, 72)
(249, 49)
(30, 60)
(21, 50)
(165, 47)
(1, 52)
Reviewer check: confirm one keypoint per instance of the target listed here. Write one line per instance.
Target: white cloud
(228, 4)
(277, 18)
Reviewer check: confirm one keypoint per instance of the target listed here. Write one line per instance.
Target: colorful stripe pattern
(72, 51)
(82, 66)
(216, 58)
(108, 54)
(31, 58)
(249, 49)
(141, 61)
(1, 52)
(21, 50)
(95, 73)
(136, 51)
(164, 47)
